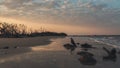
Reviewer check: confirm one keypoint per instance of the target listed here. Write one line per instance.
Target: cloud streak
(100, 14)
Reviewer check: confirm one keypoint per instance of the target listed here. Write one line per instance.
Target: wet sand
(15, 46)
(54, 55)
(24, 42)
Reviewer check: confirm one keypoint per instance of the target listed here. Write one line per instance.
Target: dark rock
(86, 45)
(111, 54)
(78, 43)
(6, 47)
(87, 58)
(70, 47)
(85, 53)
(15, 46)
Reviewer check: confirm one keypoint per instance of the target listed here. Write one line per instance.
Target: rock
(6, 47)
(87, 58)
(82, 53)
(86, 45)
(111, 54)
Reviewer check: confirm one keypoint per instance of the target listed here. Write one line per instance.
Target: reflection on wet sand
(56, 55)
(12, 54)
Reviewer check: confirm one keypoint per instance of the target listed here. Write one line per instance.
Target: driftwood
(73, 42)
(70, 47)
(111, 54)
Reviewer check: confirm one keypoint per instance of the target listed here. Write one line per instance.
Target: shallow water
(54, 55)
(113, 40)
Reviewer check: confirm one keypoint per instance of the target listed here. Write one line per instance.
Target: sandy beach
(24, 42)
(13, 46)
(40, 52)
(59, 33)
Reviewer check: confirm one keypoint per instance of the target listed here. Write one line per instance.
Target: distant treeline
(48, 34)
(94, 35)
(8, 30)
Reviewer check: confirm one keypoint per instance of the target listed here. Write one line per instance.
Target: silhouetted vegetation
(47, 34)
(20, 30)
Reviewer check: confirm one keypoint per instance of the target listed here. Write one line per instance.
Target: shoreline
(15, 46)
(104, 43)
(25, 42)
(55, 55)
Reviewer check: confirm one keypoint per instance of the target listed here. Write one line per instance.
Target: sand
(14, 46)
(24, 42)
(52, 55)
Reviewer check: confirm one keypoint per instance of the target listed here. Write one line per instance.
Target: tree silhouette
(12, 30)
(20, 30)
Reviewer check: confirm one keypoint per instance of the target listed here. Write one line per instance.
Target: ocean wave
(111, 41)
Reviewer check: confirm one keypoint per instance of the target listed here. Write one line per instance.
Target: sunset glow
(69, 16)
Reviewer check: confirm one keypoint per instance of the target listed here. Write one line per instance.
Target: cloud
(89, 11)
(97, 7)
(13, 4)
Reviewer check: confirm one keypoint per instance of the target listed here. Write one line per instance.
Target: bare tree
(12, 30)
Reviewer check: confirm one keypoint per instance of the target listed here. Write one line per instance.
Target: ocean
(112, 40)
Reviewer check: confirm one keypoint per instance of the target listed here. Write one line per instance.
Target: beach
(49, 52)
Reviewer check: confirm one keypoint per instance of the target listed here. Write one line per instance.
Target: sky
(83, 17)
